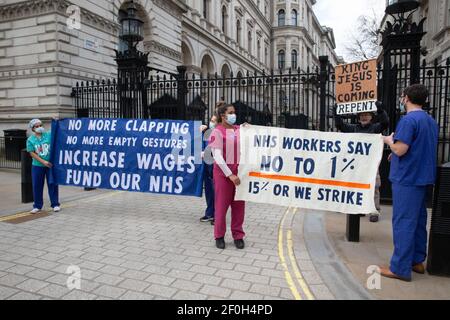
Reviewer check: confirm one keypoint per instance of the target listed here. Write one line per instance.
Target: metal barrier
(10, 152)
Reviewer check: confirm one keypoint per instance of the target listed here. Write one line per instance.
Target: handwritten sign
(309, 169)
(356, 87)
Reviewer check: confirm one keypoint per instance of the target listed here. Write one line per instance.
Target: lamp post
(132, 69)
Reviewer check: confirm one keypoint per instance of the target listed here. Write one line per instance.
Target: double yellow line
(295, 280)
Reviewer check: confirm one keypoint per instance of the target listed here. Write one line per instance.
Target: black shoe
(220, 243)
(239, 244)
(212, 222)
(206, 219)
(374, 218)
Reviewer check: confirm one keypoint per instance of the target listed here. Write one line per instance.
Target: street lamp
(401, 6)
(132, 27)
(132, 69)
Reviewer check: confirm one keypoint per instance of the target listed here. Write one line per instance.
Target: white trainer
(35, 210)
(56, 209)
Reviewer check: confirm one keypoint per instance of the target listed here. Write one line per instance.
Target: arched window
(281, 18)
(238, 32)
(294, 17)
(224, 20)
(249, 45)
(294, 59)
(281, 59)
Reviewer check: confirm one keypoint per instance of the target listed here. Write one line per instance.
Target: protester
(208, 173)
(368, 122)
(38, 145)
(224, 136)
(413, 168)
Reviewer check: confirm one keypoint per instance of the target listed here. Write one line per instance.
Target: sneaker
(220, 243)
(206, 219)
(35, 210)
(374, 218)
(56, 209)
(239, 244)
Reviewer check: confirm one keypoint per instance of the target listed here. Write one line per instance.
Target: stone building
(46, 46)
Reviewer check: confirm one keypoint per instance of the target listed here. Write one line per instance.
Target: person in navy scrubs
(413, 168)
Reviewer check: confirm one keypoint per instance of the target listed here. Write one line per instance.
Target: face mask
(212, 125)
(40, 130)
(402, 106)
(231, 119)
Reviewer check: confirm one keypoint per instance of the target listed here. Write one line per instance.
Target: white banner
(309, 169)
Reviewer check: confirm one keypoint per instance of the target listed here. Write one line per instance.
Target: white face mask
(212, 125)
(231, 119)
(40, 130)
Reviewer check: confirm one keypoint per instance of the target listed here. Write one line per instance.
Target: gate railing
(292, 99)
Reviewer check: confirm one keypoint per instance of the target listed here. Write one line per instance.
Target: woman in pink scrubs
(224, 143)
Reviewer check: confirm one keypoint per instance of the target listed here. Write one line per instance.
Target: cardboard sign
(356, 87)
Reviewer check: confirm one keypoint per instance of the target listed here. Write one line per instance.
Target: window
(224, 19)
(294, 18)
(281, 59)
(266, 56)
(258, 53)
(294, 59)
(238, 32)
(250, 39)
(282, 99)
(294, 98)
(205, 9)
(281, 18)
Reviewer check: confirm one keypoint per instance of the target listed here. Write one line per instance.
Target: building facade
(436, 42)
(46, 46)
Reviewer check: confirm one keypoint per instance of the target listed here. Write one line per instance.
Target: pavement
(124, 245)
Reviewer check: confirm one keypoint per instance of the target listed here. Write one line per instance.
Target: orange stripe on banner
(310, 180)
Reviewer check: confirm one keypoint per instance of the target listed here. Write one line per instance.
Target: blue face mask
(402, 106)
(212, 125)
(40, 130)
(231, 119)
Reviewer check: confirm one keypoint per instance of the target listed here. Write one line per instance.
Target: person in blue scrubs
(208, 173)
(413, 168)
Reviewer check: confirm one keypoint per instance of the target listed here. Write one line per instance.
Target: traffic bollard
(352, 233)
(27, 183)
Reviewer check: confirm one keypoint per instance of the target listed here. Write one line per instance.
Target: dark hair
(417, 94)
(221, 110)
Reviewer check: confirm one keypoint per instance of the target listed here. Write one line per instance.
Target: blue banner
(157, 156)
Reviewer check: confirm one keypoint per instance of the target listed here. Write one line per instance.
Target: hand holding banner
(309, 169)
